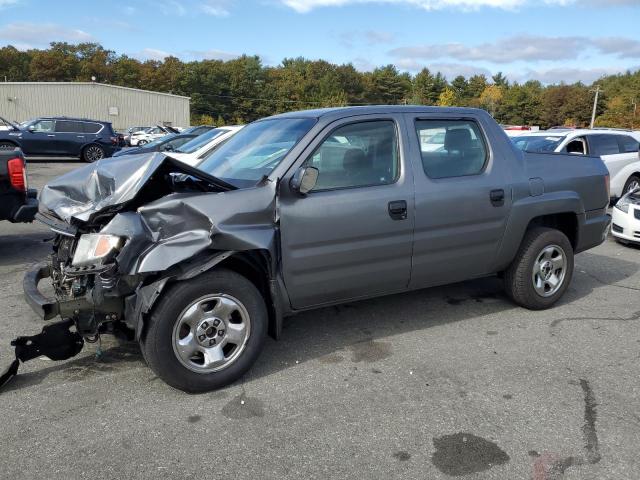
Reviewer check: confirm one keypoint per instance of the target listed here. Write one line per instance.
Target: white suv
(617, 148)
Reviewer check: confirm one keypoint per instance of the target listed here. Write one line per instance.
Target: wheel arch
(255, 265)
(12, 142)
(560, 210)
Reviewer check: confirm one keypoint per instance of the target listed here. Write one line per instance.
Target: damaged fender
(178, 221)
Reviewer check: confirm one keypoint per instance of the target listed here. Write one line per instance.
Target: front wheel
(542, 269)
(93, 153)
(142, 143)
(205, 333)
(632, 183)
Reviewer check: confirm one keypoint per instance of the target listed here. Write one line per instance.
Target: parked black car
(90, 140)
(18, 203)
(168, 143)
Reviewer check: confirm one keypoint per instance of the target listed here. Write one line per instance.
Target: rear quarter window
(628, 144)
(90, 127)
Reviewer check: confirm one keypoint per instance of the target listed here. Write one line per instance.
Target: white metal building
(123, 107)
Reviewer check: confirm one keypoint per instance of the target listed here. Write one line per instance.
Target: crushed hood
(113, 182)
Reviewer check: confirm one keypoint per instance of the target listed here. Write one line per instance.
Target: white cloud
(449, 70)
(33, 34)
(7, 3)
(303, 6)
(211, 54)
(530, 48)
(507, 50)
(566, 74)
(217, 8)
(151, 54)
(367, 37)
(187, 55)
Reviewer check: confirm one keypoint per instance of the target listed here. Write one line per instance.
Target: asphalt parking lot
(448, 382)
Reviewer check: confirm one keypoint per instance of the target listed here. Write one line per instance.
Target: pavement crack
(557, 321)
(552, 467)
(599, 280)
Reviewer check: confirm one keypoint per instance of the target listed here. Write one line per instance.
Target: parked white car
(625, 226)
(142, 137)
(617, 148)
(200, 147)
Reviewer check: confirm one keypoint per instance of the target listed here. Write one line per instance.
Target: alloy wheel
(549, 270)
(93, 153)
(211, 333)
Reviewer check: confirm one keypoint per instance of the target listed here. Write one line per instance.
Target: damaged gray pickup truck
(300, 211)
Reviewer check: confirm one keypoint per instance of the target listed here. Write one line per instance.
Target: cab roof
(341, 112)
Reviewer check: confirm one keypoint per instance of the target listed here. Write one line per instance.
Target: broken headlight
(95, 248)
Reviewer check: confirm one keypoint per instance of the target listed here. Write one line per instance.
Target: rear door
(351, 236)
(463, 198)
(69, 137)
(607, 147)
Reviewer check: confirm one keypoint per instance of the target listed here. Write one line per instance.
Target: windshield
(201, 140)
(255, 150)
(537, 143)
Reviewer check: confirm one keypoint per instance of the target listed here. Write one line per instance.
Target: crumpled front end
(119, 241)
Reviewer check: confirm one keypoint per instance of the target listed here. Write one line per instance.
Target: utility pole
(595, 105)
(635, 108)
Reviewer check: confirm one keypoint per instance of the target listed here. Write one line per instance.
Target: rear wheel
(206, 333)
(633, 183)
(7, 146)
(542, 269)
(93, 153)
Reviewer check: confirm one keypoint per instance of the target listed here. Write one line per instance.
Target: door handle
(50, 135)
(497, 197)
(80, 136)
(398, 209)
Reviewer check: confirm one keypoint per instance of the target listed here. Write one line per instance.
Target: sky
(548, 40)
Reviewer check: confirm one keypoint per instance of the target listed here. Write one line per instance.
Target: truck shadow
(358, 330)
(354, 331)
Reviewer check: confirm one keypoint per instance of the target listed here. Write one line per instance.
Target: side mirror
(31, 128)
(304, 180)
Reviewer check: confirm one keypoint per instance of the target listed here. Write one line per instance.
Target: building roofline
(95, 83)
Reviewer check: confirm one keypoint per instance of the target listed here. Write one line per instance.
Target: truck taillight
(607, 184)
(17, 174)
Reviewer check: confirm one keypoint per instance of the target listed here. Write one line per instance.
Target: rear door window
(451, 148)
(603, 144)
(68, 126)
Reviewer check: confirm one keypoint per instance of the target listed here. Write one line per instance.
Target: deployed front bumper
(43, 306)
(82, 306)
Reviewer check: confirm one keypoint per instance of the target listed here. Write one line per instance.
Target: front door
(463, 198)
(40, 139)
(351, 236)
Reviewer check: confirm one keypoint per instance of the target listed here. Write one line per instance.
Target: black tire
(8, 146)
(93, 153)
(142, 143)
(518, 278)
(633, 179)
(157, 341)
